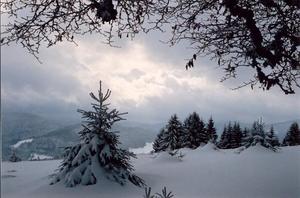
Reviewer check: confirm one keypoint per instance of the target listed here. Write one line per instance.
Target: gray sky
(147, 79)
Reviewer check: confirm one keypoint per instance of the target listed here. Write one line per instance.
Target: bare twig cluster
(263, 35)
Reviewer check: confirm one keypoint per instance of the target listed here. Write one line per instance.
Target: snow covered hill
(19, 143)
(202, 173)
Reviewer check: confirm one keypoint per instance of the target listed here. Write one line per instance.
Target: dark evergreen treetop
(292, 137)
(223, 139)
(174, 134)
(195, 131)
(160, 142)
(231, 137)
(211, 131)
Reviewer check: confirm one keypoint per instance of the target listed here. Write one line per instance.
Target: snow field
(204, 172)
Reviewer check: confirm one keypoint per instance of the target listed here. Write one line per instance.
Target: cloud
(148, 82)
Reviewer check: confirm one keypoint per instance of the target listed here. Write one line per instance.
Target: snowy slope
(19, 143)
(204, 172)
(35, 156)
(143, 150)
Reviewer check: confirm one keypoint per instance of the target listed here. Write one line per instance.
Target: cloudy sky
(147, 79)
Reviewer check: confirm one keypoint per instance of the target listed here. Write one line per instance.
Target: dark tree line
(261, 35)
(233, 137)
(192, 133)
(292, 137)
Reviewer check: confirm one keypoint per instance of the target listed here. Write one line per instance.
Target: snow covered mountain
(49, 137)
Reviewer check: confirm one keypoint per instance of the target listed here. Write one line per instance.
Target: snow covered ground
(143, 150)
(35, 156)
(202, 173)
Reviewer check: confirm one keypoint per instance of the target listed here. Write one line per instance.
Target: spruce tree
(98, 155)
(258, 136)
(231, 137)
(194, 131)
(223, 142)
(292, 137)
(272, 138)
(173, 138)
(236, 136)
(211, 131)
(14, 157)
(245, 136)
(159, 143)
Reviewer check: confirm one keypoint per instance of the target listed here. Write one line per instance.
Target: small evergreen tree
(98, 155)
(194, 131)
(211, 131)
(223, 139)
(245, 136)
(258, 137)
(159, 143)
(14, 157)
(231, 137)
(292, 137)
(272, 138)
(173, 138)
(236, 136)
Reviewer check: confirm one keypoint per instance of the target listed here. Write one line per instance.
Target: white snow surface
(201, 173)
(143, 150)
(35, 156)
(19, 143)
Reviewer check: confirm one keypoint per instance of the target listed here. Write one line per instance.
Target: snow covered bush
(97, 156)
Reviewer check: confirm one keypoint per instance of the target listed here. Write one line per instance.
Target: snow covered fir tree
(98, 155)
(272, 138)
(173, 138)
(159, 144)
(211, 131)
(231, 137)
(194, 131)
(257, 136)
(292, 137)
(191, 134)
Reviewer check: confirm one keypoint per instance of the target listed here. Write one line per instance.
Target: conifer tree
(292, 137)
(272, 138)
(258, 136)
(245, 136)
(174, 136)
(194, 131)
(98, 155)
(236, 136)
(159, 143)
(231, 137)
(223, 142)
(14, 157)
(211, 131)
